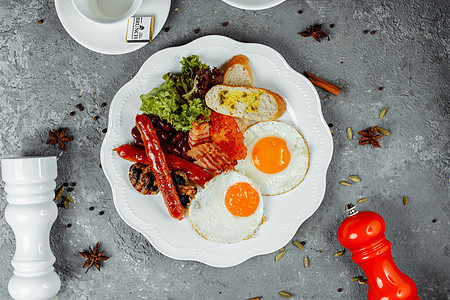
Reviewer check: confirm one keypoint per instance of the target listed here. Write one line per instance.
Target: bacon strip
(199, 134)
(209, 156)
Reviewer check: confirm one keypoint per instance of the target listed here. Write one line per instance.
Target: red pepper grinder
(363, 234)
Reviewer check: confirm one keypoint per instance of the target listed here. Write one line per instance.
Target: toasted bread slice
(248, 103)
(238, 71)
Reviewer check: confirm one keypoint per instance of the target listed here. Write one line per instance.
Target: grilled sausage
(159, 166)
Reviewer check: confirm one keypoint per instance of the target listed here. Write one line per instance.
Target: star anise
(316, 32)
(58, 136)
(369, 136)
(93, 258)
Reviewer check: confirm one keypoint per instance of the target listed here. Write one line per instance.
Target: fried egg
(229, 209)
(277, 157)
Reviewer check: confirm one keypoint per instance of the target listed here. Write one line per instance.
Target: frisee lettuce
(189, 63)
(179, 100)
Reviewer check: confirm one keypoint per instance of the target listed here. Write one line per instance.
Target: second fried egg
(229, 209)
(277, 158)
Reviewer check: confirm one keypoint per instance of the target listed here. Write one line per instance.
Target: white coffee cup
(107, 11)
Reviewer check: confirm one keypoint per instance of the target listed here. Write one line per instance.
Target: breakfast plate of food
(217, 151)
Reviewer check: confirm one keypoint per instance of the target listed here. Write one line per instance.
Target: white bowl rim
(130, 12)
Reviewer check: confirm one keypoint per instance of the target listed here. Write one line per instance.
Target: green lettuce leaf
(178, 100)
(189, 63)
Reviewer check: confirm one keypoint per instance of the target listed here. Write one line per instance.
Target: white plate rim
(319, 168)
(65, 7)
(252, 6)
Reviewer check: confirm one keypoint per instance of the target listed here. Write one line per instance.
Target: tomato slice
(227, 135)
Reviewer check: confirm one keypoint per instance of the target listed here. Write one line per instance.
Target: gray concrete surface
(42, 70)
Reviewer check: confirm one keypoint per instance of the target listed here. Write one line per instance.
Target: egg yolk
(271, 155)
(241, 199)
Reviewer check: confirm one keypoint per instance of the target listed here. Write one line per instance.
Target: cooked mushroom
(185, 188)
(142, 179)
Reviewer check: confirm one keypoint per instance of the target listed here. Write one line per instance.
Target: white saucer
(110, 38)
(253, 4)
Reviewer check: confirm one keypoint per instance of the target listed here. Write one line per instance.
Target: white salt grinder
(31, 211)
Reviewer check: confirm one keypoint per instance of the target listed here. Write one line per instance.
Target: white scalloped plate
(253, 4)
(285, 213)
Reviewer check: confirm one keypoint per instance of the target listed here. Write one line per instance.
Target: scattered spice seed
(73, 184)
(166, 29)
(331, 25)
(349, 133)
(365, 31)
(363, 281)
(70, 189)
(372, 32)
(69, 198)
(64, 199)
(66, 184)
(105, 130)
(103, 104)
(339, 290)
(59, 193)
(342, 62)
(362, 200)
(383, 131)
(298, 245)
(383, 112)
(80, 107)
(285, 294)
(405, 200)
(380, 88)
(434, 220)
(72, 113)
(100, 166)
(101, 213)
(339, 253)
(41, 21)
(354, 178)
(225, 24)
(91, 208)
(330, 124)
(356, 278)
(69, 225)
(303, 243)
(95, 118)
(280, 254)
(306, 261)
(345, 183)
(196, 31)
(300, 12)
